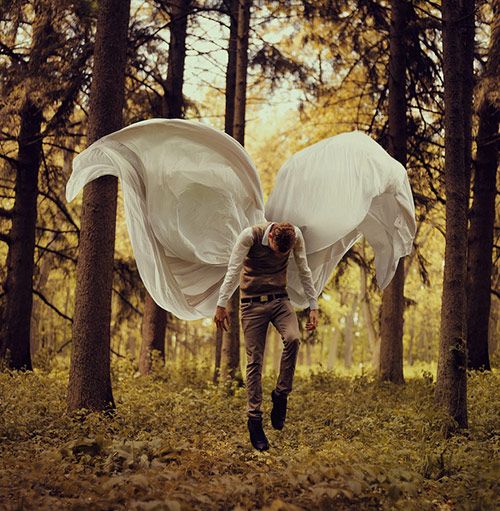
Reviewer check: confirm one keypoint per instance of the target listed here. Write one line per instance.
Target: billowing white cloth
(336, 191)
(189, 190)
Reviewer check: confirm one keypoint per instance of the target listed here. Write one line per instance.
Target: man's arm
(299, 254)
(241, 247)
(240, 250)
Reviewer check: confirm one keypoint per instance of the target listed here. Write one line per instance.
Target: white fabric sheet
(336, 191)
(189, 190)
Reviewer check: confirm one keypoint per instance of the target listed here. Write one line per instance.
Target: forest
(110, 402)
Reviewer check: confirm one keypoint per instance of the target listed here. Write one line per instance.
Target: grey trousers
(255, 318)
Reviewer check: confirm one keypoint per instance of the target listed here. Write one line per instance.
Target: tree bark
(333, 350)
(35, 313)
(392, 309)
(451, 384)
(237, 67)
(155, 318)
(16, 316)
(373, 338)
(173, 99)
(482, 219)
(154, 323)
(15, 334)
(241, 70)
(349, 335)
(89, 380)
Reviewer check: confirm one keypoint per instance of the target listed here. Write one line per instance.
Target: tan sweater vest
(264, 271)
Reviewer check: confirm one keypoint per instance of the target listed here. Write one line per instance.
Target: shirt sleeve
(299, 254)
(241, 247)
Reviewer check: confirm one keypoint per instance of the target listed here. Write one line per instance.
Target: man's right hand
(221, 318)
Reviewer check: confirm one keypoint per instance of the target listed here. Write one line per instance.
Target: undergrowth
(178, 442)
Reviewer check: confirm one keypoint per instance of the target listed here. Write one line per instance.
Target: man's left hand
(313, 319)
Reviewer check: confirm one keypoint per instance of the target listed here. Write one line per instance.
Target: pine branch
(53, 307)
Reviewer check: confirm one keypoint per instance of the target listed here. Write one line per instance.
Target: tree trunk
(366, 310)
(155, 317)
(89, 380)
(173, 99)
(349, 335)
(154, 323)
(43, 277)
(16, 315)
(15, 334)
(241, 70)
(451, 384)
(237, 67)
(392, 309)
(411, 342)
(218, 354)
(333, 350)
(482, 223)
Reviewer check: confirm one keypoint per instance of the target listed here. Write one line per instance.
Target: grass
(177, 442)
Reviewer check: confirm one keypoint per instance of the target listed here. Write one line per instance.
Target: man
(262, 252)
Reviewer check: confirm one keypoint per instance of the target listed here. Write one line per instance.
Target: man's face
(273, 245)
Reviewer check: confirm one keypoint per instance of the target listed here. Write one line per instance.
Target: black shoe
(257, 435)
(278, 413)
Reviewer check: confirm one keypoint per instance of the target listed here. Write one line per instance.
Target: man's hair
(284, 236)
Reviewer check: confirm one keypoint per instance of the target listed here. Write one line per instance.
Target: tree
(482, 213)
(36, 93)
(392, 308)
(155, 318)
(451, 384)
(89, 380)
(236, 83)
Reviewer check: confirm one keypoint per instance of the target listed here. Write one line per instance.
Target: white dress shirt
(241, 247)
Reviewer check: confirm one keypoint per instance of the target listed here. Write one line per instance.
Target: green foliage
(177, 442)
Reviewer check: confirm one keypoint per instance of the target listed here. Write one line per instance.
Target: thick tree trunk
(15, 333)
(16, 314)
(482, 219)
(481, 240)
(173, 99)
(89, 380)
(451, 384)
(392, 309)
(155, 318)
(236, 88)
(241, 70)
(154, 323)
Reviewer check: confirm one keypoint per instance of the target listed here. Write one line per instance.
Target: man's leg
(255, 319)
(285, 320)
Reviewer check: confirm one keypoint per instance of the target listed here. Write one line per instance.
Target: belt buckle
(263, 298)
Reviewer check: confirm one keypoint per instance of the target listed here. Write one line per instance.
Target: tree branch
(53, 307)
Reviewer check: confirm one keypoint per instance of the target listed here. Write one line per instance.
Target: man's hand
(313, 319)
(221, 318)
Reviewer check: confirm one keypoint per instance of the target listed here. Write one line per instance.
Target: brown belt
(263, 298)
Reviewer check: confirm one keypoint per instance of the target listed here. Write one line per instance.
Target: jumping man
(262, 252)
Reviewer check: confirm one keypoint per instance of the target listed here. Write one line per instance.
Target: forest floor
(177, 442)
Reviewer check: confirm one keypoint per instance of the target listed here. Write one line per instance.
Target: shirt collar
(265, 238)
